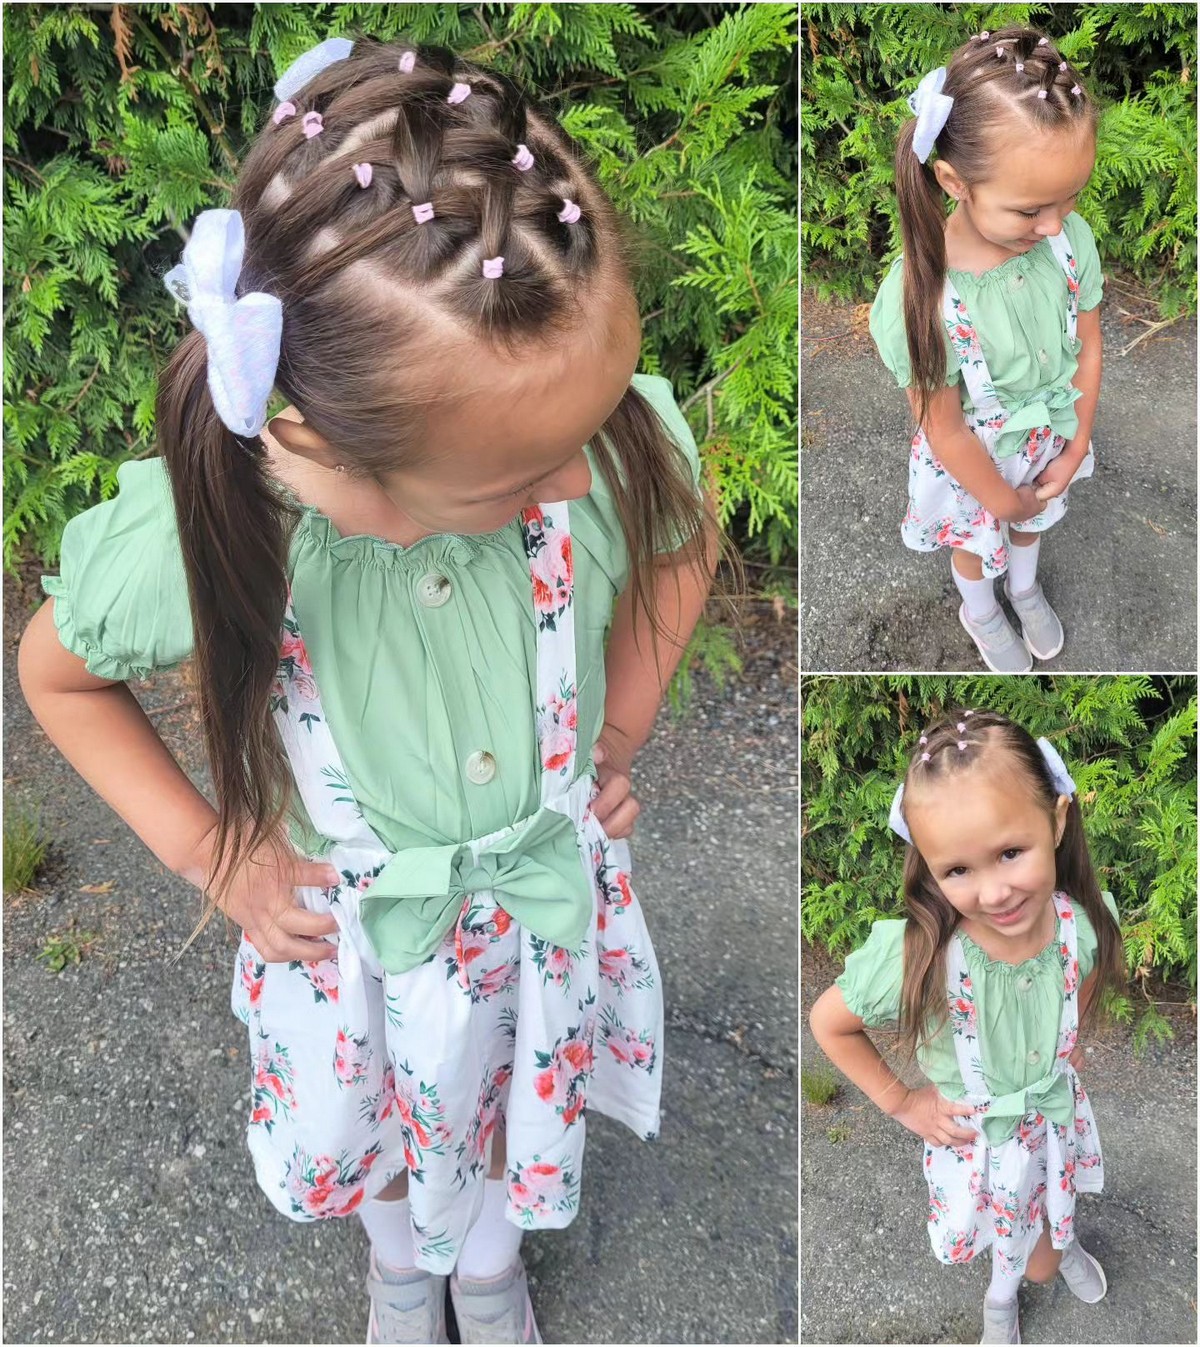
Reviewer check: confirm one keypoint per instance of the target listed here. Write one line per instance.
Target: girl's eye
(1029, 214)
(1010, 854)
(955, 871)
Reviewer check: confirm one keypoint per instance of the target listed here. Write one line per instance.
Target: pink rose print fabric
(359, 1074)
(981, 1195)
(940, 512)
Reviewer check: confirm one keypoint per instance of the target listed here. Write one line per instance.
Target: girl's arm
(967, 461)
(638, 666)
(928, 1113)
(102, 731)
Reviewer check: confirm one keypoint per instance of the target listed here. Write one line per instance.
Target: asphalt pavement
(868, 1274)
(1120, 568)
(130, 1209)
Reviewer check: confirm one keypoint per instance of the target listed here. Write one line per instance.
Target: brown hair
(987, 88)
(358, 278)
(987, 736)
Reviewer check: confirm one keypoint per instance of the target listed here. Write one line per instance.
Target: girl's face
(989, 844)
(512, 431)
(1036, 177)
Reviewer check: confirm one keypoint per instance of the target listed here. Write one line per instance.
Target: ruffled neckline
(1002, 270)
(444, 549)
(991, 965)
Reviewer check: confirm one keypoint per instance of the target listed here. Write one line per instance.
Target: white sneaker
(1002, 649)
(1001, 1323)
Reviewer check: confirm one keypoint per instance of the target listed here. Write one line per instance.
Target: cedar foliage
(124, 121)
(1129, 744)
(860, 62)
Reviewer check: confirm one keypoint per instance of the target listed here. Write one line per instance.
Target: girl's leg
(1044, 1259)
(1022, 561)
(979, 595)
(388, 1225)
(493, 1242)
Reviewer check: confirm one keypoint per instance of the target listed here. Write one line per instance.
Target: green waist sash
(534, 868)
(1053, 407)
(1051, 1096)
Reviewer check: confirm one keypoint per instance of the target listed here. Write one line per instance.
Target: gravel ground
(131, 1213)
(868, 1274)
(1120, 569)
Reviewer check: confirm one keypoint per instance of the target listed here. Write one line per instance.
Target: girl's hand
(931, 1115)
(614, 805)
(260, 895)
(1078, 1057)
(1030, 503)
(1054, 479)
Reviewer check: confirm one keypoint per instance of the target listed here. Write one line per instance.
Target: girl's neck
(1015, 951)
(966, 249)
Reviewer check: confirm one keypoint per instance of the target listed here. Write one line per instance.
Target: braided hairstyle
(957, 744)
(1014, 75)
(373, 200)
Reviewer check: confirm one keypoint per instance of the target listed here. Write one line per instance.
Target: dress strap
(546, 530)
(1066, 259)
(965, 341)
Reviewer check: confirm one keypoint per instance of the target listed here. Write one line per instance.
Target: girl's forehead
(1041, 168)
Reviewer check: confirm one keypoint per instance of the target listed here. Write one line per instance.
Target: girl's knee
(1046, 1269)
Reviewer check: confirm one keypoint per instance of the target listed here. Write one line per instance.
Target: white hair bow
(1058, 774)
(303, 68)
(932, 108)
(242, 334)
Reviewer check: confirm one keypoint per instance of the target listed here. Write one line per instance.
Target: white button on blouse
(481, 767)
(433, 590)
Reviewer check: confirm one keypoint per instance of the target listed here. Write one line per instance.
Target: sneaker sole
(962, 617)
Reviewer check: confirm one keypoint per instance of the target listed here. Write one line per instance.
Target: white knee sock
(492, 1243)
(1022, 566)
(1003, 1288)
(978, 595)
(389, 1228)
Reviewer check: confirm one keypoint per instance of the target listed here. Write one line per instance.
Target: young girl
(1006, 943)
(990, 320)
(432, 603)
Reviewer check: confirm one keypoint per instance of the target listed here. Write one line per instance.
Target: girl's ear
(1061, 806)
(948, 179)
(297, 438)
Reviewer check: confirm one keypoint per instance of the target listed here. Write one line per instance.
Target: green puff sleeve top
(1019, 311)
(1018, 1008)
(411, 687)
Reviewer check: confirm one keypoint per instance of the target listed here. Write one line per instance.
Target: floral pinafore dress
(981, 1194)
(359, 1074)
(941, 513)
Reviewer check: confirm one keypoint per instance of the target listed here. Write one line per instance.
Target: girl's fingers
(316, 875)
(611, 793)
(620, 822)
(298, 951)
(300, 921)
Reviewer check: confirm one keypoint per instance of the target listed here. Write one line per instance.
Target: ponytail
(231, 523)
(922, 223)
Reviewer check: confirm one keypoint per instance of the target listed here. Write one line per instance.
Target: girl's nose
(1049, 228)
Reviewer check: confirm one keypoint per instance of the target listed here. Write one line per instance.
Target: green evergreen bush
(124, 121)
(1130, 746)
(860, 61)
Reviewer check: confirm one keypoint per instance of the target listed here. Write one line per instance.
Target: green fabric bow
(1052, 1096)
(1053, 407)
(535, 870)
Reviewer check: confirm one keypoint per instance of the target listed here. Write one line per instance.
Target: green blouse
(412, 684)
(1018, 1009)
(1019, 311)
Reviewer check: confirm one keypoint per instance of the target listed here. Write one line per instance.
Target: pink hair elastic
(493, 268)
(1076, 90)
(961, 727)
(423, 213)
(1019, 66)
(1043, 41)
(523, 159)
(924, 757)
(983, 37)
(1062, 65)
(283, 112)
(459, 93)
(962, 743)
(1041, 93)
(407, 61)
(364, 173)
(924, 739)
(999, 51)
(313, 124)
(570, 211)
